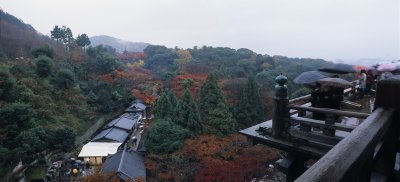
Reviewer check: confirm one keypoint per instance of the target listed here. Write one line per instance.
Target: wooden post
(386, 156)
(387, 96)
(303, 127)
(281, 114)
(292, 166)
(330, 119)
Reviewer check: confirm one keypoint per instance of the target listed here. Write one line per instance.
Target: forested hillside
(53, 88)
(208, 94)
(17, 38)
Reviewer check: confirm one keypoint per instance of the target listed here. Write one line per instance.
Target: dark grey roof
(123, 123)
(137, 106)
(111, 134)
(128, 165)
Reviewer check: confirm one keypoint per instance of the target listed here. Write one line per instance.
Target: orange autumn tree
(108, 78)
(249, 164)
(178, 87)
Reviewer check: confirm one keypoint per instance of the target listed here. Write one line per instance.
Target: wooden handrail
(305, 97)
(353, 152)
(330, 111)
(297, 99)
(321, 124)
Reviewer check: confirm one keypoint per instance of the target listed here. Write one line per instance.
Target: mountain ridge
(119, 44)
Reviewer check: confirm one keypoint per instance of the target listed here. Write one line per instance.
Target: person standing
(362, 83)
(370, 82)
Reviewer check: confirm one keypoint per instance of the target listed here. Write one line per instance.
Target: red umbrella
(360, 67)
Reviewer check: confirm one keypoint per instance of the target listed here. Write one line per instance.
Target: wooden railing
(306, 98)
(357, 154)
(354, 157)
(369, 151)
(328, 126)
(304, 131)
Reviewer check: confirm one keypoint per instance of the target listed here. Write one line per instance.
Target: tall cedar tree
(214, 108)
(165, 136)
(163, 108)
(172, 98)
(188, 114)
(249, 110)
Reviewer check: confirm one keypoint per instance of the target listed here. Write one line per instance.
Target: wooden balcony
(366, 152)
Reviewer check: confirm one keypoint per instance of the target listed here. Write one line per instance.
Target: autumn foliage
(178, 88)
(249, 164)
(128, 56)
(209, 158)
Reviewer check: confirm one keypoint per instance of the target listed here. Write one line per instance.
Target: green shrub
(44, 66)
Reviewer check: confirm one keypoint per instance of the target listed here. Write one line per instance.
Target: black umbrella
(309, 78)
(335, 82)
(338, 68)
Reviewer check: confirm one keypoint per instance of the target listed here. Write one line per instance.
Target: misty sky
(328, 29)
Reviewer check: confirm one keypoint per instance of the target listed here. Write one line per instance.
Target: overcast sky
(328, 29)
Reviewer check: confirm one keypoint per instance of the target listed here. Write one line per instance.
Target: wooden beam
(321, 124)
(331, 111)
(349, 104)
(302, 98)
(354, 151)
(294, 111)
(329, 141)
(293, 145)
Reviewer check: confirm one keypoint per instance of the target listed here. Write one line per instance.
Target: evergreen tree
(172, 98)
(43, 50)
(220, 120)
(44, 66)
(165, 136)
(188, 114)
(65, 79)
(249, 110)
(83, 40)
(30, 143)
(57, 33)
(7, 82)
(214, 108)
(63, 139)
(163, 108)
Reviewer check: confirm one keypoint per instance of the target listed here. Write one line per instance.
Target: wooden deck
(313, 150)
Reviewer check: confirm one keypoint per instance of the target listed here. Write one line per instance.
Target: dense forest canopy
(52, 89)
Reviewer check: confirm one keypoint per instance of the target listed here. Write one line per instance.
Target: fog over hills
(118, 44)
(364, 61)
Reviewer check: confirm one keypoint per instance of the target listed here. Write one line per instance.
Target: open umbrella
(338, 68)
(309, 78)
(386, 67)
(358, 68)
(335, 82)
